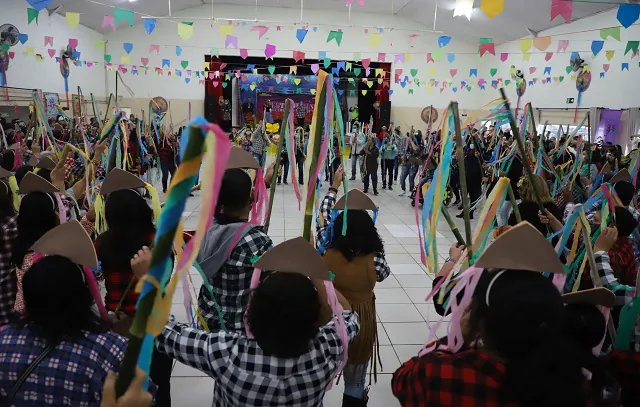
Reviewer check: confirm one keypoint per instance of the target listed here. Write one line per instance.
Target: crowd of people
(523, 331)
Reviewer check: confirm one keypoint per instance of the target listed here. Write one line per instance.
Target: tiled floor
(403, 316)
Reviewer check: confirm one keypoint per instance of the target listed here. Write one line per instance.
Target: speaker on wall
(210, 108)
(385, 113)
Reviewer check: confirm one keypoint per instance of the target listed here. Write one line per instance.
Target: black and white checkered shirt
(231, 285)
(382, 268)
(245, 376)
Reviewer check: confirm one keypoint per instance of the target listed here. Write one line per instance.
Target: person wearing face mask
(357, 143)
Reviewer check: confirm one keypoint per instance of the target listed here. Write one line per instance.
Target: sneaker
(390, 188)
(353, 178)
(279, 183)
(403, 193)
(286, 183)
(375, 192)
(384, 187)
(366, 191)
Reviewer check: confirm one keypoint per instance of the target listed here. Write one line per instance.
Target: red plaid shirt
(116, 283)
(622, 261)
(625, 367)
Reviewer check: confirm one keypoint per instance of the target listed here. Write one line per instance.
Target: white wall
(207, 36)
(26, 72)
(616, 90)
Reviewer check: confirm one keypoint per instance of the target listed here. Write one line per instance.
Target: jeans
(373, 177)
(387, 171)
(300, 164)
(285, 171)
(408, 170)
(354, 164)
(505, 211)
(396, 165)
(355, 380)
(260, 158)
(167, 168)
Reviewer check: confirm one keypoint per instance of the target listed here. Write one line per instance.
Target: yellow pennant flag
(525, 45)
(492, 7)
(73, 19)
(185, 31)
(125, 60)
(364, 92)
(293, 70)
(431, 72)
(407, 58)
(99, 45)
(526, 56)
(225, 30)
(609, 54)
(375, 39)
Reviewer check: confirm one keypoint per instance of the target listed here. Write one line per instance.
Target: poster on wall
(51, 100)
(608, 126)
(75, 103)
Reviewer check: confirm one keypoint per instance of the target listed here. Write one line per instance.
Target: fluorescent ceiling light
(463, 8)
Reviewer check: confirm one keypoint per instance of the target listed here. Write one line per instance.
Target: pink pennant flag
(244, 53)
(107, 21)
(269, 50)
(145, 61)
(315, 68)
(562, 8)
(366, 62)
(548, 56)
(215, 84)
(453, 72)
(504, 56)
(606, 67)
(154, 47)
(51, 52)
(73, 43)
(382, 57)
(562, 45)
(532, 70)
(298, 56)
(261, 29)
(12, 54)
(398, 58)
(48, 41)
(367, 71)
(535, 80)
(490, 48)
(430, 58)
(211, 75)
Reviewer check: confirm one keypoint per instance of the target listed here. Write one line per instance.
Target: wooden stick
(514, 204)
(272, 186)
(452, 226)
(463, 178)
(106, 112)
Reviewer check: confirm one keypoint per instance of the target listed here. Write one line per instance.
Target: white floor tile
(394, 249)
(414, 280)
(418, 295)
(406, 352)
(428, 312)
(390, 361)
(391, 296)
(406, 333)
(398, 313)
(383, 338)
(399, 269)
(192, 391)
(389, 282)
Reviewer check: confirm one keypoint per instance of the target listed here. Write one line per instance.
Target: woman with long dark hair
(8, 234)
(60, 337)
(129, 228)
(357, 261)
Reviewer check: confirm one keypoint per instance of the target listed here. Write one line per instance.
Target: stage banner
(277, 105)
(609, 125)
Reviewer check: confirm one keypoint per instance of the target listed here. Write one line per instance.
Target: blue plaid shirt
(71, 375)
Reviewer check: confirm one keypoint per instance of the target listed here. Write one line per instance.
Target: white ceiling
(511, 24)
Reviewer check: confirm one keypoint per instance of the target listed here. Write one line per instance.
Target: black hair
(235, 194)
(6, 200)
(625, 191)
(278, 300)
(523, 325)
(362, 237)
(625, 222)
(38, 215)
(22, 171)
(129, 227)
(58, 300)
(44, 174)
(7, 159)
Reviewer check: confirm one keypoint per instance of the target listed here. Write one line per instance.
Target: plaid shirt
(625, 367)
(231, 284)
(624, 293)
(245, 376)
(166, 151)
(301, 111)
(8, 233)
(469, 378)
(380, 263)
(71, 375)
(258, 142)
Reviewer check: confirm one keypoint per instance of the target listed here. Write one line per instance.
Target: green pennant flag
(335, 35)
(215, 52)
(184, 64)
(352, 92)
(271, 69)
(351, 81)
(298, 90)
(493, 72)
(411, 91)
(32, 14)
(349, 66)
(414, 72)
(632, 46)
(507, 82)
(437, 55)
(327, 63)
(120, 14)
(107, 58)
(225, 84)
(357, 71)
(569, 69)
(5, 46)
(613, 32)
(356, 56)
(561, 78)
